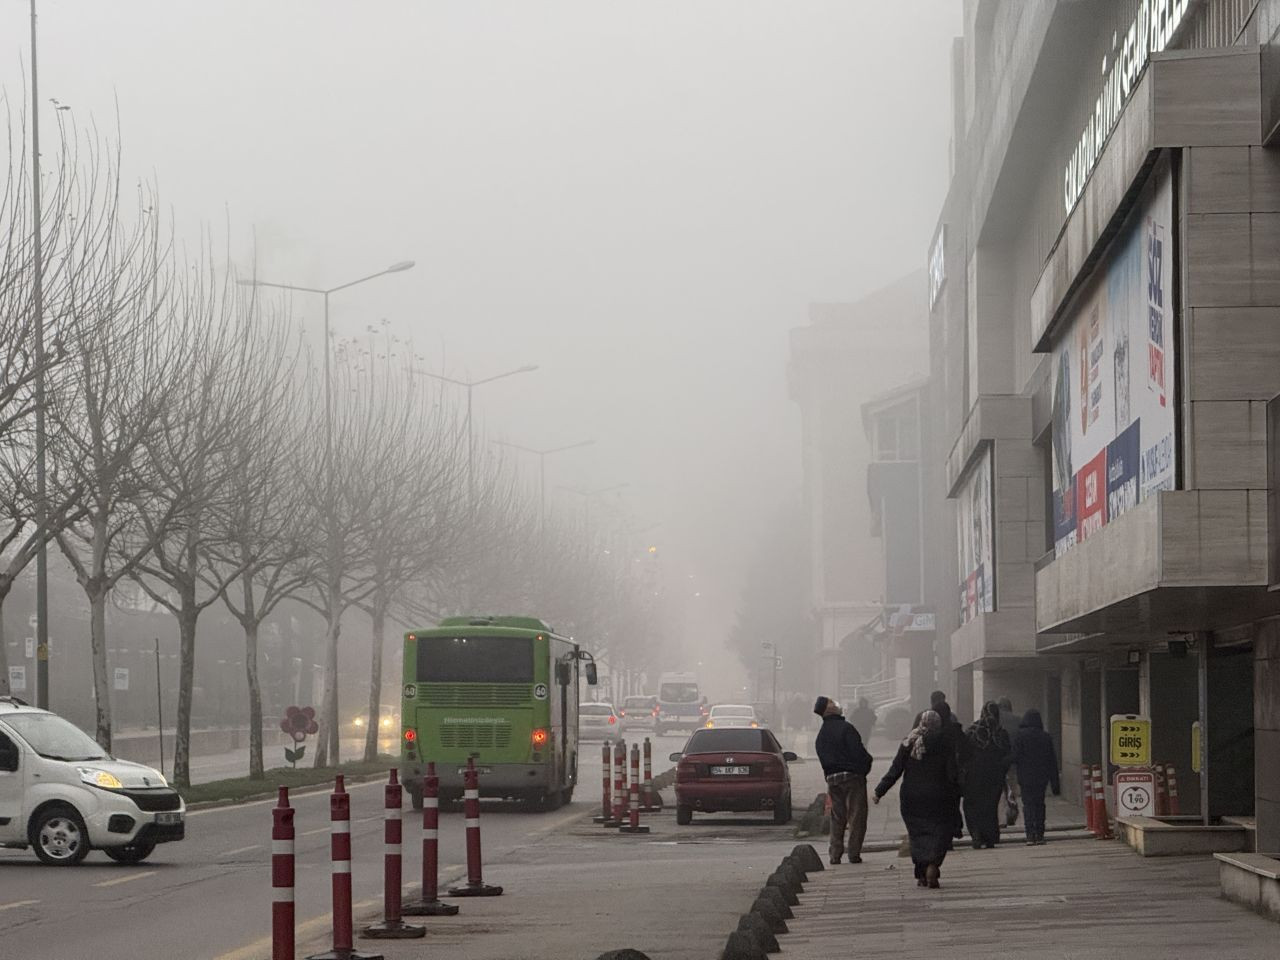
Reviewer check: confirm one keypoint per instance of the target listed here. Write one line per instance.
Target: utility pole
(42, 496)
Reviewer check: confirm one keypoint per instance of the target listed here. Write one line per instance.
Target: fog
(640, 198)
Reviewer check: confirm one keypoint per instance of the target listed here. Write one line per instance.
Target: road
(208, 898)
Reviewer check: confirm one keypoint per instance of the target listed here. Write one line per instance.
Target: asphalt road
(208, 897)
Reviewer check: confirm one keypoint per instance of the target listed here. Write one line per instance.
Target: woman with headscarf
(926, 764)
(988, 759)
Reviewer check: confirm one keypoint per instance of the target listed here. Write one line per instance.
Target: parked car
(598, 721)
(732, 715)
(63, 795)
(638, 713)
(733, 769)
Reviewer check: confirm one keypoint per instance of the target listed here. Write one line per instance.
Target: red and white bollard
(475, 885)
(1172, 779)
(282, 878)
(1086, 794)
(606, 812)
(430, 905)
(619, 783)
(340, 853)
(392, 926)
(633, 824)
(652, 800)
(1100, 801)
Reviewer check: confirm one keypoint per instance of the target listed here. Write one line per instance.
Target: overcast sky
(639, 197)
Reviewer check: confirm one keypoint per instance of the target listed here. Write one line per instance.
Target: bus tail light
(539, 737)
(410, 735)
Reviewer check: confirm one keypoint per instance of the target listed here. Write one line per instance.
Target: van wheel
(684, 815)
(133, 853)
(59, 836)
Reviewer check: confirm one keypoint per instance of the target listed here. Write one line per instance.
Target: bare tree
(266, 517)
(202, 444)
(417, 506)
(126, 351)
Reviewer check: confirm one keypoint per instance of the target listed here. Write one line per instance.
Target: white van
(61, 794)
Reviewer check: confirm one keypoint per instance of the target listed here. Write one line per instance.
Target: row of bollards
(621, 805)
(758, 929)
(392, 925)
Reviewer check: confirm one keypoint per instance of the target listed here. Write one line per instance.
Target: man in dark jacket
(1037, 769)
(845, 763)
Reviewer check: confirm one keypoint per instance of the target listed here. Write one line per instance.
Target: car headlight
(359, 721)
(100, 778)
(386, 722)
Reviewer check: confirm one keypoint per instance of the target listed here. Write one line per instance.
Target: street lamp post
(469, 386)
(331, 655)
(587, 496)
(542, 471)
(326, 293)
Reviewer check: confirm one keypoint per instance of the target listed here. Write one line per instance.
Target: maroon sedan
(734, 768)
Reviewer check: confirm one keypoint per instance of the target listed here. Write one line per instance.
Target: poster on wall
(974, 536)
(1113, 414)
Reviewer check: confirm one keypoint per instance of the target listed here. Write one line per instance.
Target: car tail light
(702, 711)
(539, 737)
(686, 770)
(613, 719)
(655, 711)
(622, 713)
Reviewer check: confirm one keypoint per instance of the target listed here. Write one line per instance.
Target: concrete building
(1105, 332)
(848, 354)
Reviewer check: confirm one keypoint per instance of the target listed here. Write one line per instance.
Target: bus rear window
(678, 693)
(475, 660)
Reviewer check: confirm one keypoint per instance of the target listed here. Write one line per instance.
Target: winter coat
(839, 748)
(1034, 756)
(929, 785)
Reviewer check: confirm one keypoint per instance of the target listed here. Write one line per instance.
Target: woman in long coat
(926, 764)
(984, 777)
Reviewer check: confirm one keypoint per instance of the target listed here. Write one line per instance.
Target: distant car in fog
(387, 722)
(638, 713)
(732, 715)
(598, 721)
(732, 769)
(681, 705)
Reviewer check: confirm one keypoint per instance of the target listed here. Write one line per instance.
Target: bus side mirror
(591, 673)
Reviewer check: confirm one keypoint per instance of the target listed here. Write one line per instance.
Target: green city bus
(503, 690)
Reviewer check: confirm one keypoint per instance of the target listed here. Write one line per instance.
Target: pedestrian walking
(953, 733)
(864, 718)
(926, 764)
(1010, 721)
(845, 764)
(1037, 770)
(984, 774)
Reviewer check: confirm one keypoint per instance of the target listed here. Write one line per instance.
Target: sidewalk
(1083, 900)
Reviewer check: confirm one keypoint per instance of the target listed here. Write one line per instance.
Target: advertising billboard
(975, 535)
(1113, 409)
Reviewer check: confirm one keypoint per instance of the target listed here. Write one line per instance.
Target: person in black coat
(1037, 764)
(845, 764)
(989, 755)
(926, 764)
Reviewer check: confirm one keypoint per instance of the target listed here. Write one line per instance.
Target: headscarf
(986, 731)
(929, 723)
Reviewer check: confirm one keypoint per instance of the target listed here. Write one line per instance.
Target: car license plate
(462, 770)
(730, 771)
(167, 819)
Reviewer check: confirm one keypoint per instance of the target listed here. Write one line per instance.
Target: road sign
(1136, 793)
(777, 663)
(120, 678)
(1130, 740)
(17, 679)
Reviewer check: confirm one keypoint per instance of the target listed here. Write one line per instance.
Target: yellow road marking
(127, 879)
(18, 903)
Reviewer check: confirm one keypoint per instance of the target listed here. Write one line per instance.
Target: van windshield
(54, 738)
(678, 693)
